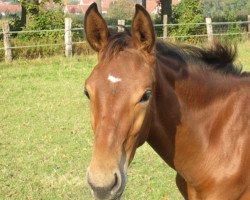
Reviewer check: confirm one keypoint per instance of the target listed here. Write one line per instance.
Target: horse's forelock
(116, 43)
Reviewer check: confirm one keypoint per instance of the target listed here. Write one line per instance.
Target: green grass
(46, 138)
(244, 55)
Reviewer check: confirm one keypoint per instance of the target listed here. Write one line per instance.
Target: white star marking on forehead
(114, 79)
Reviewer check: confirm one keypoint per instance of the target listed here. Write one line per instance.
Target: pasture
(46, 137)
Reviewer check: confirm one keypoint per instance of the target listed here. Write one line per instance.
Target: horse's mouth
(117, 196)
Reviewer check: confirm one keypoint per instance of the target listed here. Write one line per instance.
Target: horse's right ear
(95, 27)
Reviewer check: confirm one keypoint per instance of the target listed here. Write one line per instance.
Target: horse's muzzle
(109, 189)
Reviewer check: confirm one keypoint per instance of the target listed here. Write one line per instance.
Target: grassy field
(46, 139)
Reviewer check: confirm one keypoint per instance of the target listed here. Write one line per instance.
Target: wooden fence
(68, 34)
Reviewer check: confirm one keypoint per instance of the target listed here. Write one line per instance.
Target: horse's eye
(86, 93)
(146, 96)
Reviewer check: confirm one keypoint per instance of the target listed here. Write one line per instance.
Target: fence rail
(207, 29)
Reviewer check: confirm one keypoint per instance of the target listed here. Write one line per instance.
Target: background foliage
(227, 10)
(188, 11)
(122, 9)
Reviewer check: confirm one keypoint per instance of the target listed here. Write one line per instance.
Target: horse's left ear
(142, 29)
(95, 27)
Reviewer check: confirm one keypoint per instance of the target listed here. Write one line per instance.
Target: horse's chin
(115, 197)
(118, 197)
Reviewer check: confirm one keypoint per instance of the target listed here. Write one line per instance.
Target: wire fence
(219, 29)
(193, 32)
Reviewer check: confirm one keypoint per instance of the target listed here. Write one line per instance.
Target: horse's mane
(219, 58)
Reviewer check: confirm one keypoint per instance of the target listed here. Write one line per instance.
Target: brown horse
(190, 104)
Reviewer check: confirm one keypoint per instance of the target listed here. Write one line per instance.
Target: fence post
(121, 22)
(7, 44)
(165, 27)
(68, 38)
(248, 19)
(209, 30)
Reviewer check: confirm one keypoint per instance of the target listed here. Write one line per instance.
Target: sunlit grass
(244, 55)
(46, 138)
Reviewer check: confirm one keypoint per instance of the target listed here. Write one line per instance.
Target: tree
(142, 2)
(225, 10)
(23, 15)
(166, 9)
(122, 9)
(32, 7)
(188, 11)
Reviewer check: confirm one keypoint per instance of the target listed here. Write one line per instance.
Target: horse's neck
(177, 105)
(166, 115)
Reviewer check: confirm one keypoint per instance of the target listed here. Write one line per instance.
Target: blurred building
(152, 6)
